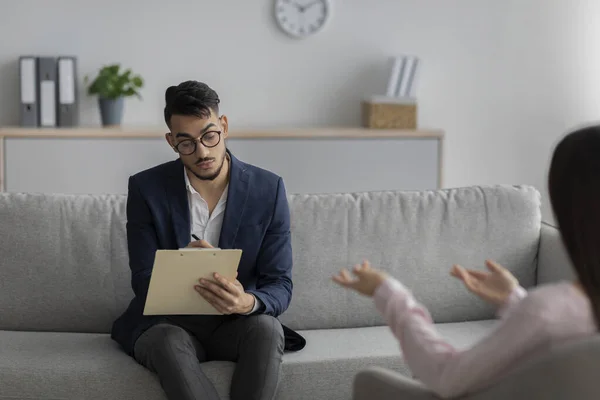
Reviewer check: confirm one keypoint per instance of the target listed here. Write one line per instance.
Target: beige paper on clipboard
(176, 272)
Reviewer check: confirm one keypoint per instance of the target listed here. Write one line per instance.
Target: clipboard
(176, 272)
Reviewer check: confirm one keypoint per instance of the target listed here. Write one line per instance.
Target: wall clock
(302, 18)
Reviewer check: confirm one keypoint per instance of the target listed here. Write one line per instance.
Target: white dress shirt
(205, 225)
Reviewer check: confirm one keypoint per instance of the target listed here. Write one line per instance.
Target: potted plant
(112, 86)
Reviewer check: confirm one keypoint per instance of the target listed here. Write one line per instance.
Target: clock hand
(298, 6)
(303, 8)
(309, 5)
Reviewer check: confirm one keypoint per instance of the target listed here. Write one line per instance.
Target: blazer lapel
(237, 195)
(178, 204)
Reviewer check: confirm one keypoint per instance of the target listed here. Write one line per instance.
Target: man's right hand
(200, 243)
(494, 286)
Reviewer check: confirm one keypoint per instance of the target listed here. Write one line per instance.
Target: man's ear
(225, 125)
(170, 140)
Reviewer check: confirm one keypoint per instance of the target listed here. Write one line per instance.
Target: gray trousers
(175, 350)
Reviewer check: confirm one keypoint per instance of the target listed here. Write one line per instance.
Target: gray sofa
(64, 278)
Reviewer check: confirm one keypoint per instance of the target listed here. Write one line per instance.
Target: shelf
(280, 133)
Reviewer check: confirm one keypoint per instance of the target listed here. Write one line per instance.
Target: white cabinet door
(99, 165)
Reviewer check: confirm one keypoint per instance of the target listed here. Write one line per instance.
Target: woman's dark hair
(574, 187)
(190, 98)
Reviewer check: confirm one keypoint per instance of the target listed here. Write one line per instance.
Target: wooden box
(389, 113)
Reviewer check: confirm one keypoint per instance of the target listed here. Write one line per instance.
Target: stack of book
(403, 77)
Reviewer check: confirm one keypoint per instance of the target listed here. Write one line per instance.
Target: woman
(532, 321)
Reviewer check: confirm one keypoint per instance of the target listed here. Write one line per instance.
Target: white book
(396, 71)
(412, 87)
(407, 72)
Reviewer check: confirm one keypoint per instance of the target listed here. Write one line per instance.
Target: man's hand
(226, 296)
(200, 243)
(367, 279)
(494, 286)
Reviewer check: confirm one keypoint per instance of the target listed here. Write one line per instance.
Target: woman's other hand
(494, 286)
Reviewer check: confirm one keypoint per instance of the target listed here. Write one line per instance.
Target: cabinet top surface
(270, 133)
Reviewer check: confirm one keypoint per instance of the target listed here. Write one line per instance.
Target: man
(209, 194)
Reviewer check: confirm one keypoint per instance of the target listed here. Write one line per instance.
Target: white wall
(504, 79)
(555, 64)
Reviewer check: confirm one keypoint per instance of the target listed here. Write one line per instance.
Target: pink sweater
(530, 323)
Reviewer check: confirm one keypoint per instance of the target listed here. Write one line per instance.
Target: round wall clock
(302, 18)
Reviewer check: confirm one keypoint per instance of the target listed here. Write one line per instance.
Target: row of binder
(48, 91)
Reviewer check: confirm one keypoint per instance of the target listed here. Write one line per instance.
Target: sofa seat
(42, 365)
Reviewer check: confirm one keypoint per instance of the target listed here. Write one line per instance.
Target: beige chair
(569, 372)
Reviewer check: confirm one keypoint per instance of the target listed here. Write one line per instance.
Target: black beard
(213, 176)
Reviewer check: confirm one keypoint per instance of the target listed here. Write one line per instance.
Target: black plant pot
(111, 111)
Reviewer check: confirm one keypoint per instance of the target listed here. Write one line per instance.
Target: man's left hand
(226, 296)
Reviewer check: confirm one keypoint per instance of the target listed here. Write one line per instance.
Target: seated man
(210, 195)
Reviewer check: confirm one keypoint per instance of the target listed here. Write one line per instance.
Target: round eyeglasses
(208, 139)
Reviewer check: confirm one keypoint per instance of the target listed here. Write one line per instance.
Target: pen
(195, 237)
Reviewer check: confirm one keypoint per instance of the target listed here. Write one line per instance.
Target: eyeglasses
(208, 139)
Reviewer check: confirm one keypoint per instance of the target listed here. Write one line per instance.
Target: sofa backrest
(64, 262)
(415, 236)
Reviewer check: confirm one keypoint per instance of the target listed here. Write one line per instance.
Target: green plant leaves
(112, 84)
(137, 81)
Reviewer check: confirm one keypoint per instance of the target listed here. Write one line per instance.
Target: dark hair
(574, 187)
(190, 98)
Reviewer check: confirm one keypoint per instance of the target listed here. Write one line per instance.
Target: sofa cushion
(326, 368)
(91, 366)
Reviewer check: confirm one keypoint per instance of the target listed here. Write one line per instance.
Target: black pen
(195, 237)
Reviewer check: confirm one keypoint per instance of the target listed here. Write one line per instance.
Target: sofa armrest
(382, 384)
(553, 262)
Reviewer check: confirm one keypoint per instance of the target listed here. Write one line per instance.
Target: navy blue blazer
(256, 220)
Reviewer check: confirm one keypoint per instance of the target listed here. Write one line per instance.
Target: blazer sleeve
(142, 241)
(274, 262)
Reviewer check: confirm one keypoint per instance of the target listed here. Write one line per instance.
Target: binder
(47, 91)
(28, 86)
(67, 92)
(176, 272)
